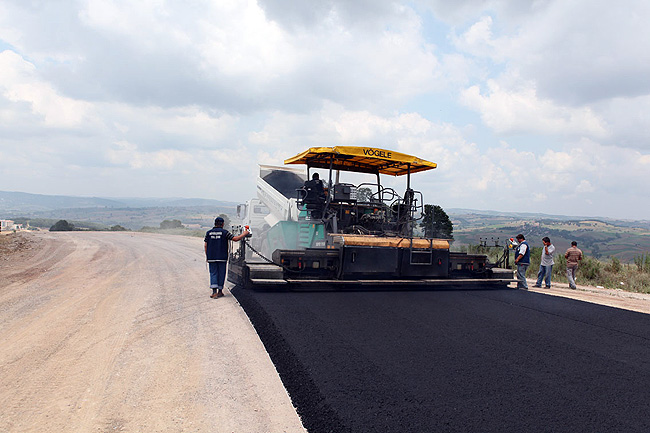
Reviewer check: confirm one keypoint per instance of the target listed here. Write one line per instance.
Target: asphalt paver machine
(332, 234)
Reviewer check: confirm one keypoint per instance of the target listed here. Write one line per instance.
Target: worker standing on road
(522, 260)
(546, 264)
(573, 256)
(216, 254)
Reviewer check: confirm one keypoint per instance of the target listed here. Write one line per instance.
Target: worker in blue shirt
(216, 253)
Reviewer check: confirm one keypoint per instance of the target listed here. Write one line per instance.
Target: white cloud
(540, 197)
(564, 63)
(594, 50)
(171, 168)
(228, 55)
(128, 154)
(521, 110)
(298, 16)
(163, 98)
(238, 40)
(478, 39)
(19, 83)
(627, 118)
(584, 187)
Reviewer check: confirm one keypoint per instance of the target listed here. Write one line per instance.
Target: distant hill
(27, 204)
(468, 218)
(132, 213)
(598, 237)
(170, 202)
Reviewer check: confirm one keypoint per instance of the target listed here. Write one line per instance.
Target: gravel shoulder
(613, 298)
(116, 332)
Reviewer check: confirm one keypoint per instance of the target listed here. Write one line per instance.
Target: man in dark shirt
(316, 185)
(216, 253)
(315, 196)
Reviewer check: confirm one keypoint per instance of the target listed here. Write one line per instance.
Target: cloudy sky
(540, 105)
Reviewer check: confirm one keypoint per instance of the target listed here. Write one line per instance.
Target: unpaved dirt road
(115, 332)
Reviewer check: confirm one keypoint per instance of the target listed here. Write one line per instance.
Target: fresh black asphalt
(456, 360)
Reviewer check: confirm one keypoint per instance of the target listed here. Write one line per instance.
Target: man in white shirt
(546, 264)
(522, 261)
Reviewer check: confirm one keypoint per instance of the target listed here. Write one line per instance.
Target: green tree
(118, 228)
(595, 251)
(642, 262)
(364, 194)
(62, 226)
(171, 224)
(436, 223)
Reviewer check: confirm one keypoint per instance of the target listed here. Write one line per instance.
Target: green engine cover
(294, 235)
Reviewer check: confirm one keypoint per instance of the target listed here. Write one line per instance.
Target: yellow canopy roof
(362, 160)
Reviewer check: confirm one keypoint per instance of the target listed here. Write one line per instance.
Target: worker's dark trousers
(217, 274)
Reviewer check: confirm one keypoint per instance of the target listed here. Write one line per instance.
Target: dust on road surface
(105, 332)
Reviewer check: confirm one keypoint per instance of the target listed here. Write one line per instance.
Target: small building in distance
(8, 225)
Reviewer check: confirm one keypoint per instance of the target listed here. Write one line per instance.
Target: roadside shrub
(559, 268)
(614, 266)
(638, 282)
(590, 269)
(171, 224)
(62, 226)
(642, 263)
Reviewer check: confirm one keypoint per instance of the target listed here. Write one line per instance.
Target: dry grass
(610, 273)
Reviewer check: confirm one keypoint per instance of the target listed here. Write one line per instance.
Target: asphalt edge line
(315, 413)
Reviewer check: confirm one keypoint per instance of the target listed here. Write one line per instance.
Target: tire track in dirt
(87, 313)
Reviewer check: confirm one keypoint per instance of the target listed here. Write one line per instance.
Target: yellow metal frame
(362, 160)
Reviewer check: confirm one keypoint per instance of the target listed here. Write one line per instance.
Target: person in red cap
(216, 254)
